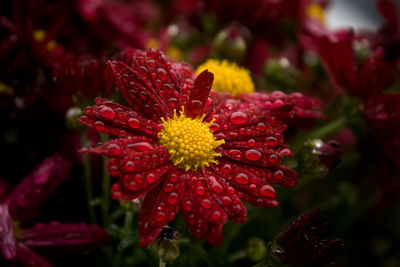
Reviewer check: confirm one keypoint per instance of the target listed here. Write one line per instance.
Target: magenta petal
(5, 188)
(65, 237)
(8, 244)
(29, 258)
(24, 201)
(198, 97)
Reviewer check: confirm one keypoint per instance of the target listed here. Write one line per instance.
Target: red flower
(187, 148)
(303, 243)
(295, 109)
(18, 207)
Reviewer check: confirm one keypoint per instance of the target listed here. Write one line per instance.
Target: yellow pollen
(228, 77)
(190, 142)
(40, 36)
(316, 11)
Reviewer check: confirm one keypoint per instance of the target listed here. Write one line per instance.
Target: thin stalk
(88, 178)
(129, 215)
(161, 263)
(106, 186)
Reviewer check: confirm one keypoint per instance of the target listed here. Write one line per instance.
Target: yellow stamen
(228, 77)
(316, 11)
(190, 142)
(6, 89)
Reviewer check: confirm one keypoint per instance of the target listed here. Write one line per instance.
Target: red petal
(29, 258)
(198, 97)
(118, 120)
(160, 206)
(67, 238)
(8, 243)
(25, 200)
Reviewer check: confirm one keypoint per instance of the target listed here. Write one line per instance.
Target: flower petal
(200, 92)
(160, 206)
(8, 244)
(29, 258)
(25, 200)
(63, 237)
(118, 120)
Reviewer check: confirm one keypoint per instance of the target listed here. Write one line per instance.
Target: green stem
(241, 254)
(88, 178)
(161, 263)
(105, 203)
(127, 226)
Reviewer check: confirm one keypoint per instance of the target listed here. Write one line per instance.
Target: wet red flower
(19, 206)
(303, 243)
(186, 148)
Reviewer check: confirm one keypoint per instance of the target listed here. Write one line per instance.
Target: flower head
(18, 207)
(202, 162)
(303, 243)
(228, 77)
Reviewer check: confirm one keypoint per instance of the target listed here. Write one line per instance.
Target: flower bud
(231, 43)
(256, 249)
(318, 158)
(131, 205)
(71, 118)
(281, 75)
(165, 246)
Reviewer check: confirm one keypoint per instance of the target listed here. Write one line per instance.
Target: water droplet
(273, 158)
(141, 146)
(159, 216)
(188, 205)
(134, 123)
(99, 125)
(172, 198)
(271, 141)
(173, 177)
(114, 149)
(172, 102)
(206, 203)
(253, 155)
(200, 190)
(231, 190)
(227, 200)
(278, 175)
(261, 127)
(162, 74)
(215, 127)
(239, 117)
(150, 177)
(168, 187)
(241, 178)
(251, 142)
(129, 166)
(107, 113)
(216, 215)
(252, 187)
(226, 168)
(267, 191)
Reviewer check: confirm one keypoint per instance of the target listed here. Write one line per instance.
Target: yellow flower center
(228, 77)
(190, 142)
(316, 11)
(40, 36)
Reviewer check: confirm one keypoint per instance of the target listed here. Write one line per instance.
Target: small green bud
(231, 43)
(165, 246)
(256, 249)
(71, 118)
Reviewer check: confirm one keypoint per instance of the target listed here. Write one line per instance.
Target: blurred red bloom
(217, 152)
(303, 243)
(19, 206)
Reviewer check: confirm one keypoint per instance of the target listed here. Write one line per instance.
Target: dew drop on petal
(200, 191)
(206, 203)
(107, 113)
(216, 215)
(129, 166)
(278, 175)
(159, 216)
(99, 125)
(188, 205)
(172, 198)
(267, 191)
(251, 142)
(239, 117)
(150, 177)
(241, 178)
(133, 123)
(226, 168)
(227, 200)
(114, 149)
(271, 141)
(253, 155)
